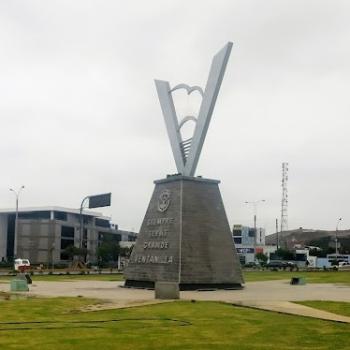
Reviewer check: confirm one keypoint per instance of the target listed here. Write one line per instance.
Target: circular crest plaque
(164, 201)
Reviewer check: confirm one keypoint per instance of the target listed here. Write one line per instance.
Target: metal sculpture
(186, 152)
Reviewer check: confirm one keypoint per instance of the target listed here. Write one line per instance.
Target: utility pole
(284, 203)
(277, 238)
(256, 235)
(17, 193)
(336, 238)
(255, 206)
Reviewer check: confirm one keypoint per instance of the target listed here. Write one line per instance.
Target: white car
(22, 264)
(343, 265)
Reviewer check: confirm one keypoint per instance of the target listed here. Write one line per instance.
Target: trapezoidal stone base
(185, 238)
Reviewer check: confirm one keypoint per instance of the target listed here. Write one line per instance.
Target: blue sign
(245, 250)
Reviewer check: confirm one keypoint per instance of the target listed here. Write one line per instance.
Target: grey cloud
(79, 112)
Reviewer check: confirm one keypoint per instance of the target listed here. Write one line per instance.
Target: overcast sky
(80, 114)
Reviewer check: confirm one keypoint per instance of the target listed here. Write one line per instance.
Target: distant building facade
(45, 233)
(247, 236)
(248, 242)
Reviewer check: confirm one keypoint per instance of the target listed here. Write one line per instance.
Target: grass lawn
(64, 277)
(310, 277)
(176, 325)
(337, 307)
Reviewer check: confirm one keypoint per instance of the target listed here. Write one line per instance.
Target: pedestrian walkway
(287, 307)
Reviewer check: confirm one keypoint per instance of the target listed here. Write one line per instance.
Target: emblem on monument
(164, 201)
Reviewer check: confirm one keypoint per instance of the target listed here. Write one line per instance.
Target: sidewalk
(287, 307)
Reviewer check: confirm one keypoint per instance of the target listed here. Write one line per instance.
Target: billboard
(245, 250)
(100, 200)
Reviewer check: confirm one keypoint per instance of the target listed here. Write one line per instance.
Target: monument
(185, 236)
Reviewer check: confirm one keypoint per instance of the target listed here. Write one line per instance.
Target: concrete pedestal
(167, 290)
(185, 238)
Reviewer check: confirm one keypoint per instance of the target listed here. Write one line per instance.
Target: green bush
(6, 264)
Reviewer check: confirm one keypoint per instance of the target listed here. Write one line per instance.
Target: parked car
(343, 266)
(252, 264)
(277, 264)
(21, 264)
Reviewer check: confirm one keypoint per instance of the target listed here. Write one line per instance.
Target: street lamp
(17, 193)
(255, 206)
(96, 201)
(336, 238)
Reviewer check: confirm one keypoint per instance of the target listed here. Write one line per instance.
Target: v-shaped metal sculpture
(187, 152)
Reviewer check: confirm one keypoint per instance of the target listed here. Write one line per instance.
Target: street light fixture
(17, 193)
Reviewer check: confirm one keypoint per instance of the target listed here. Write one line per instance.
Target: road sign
(100, 200)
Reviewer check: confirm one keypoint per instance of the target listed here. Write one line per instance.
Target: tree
(261, 257)
(324, 243)
(344, 245)
(71, 251)
(108, 251)
(321, 253)
(282, 254)
(327, 245)
(126, 252)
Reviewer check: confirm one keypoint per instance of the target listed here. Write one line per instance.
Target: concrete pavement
(287, 307)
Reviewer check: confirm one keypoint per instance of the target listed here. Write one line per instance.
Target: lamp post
(255, 206)
(81, 222)
(336, 238)
(17, 193)
(277, 237)
(96, 201)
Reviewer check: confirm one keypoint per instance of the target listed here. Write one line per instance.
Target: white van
(22, 264)
(343, 266)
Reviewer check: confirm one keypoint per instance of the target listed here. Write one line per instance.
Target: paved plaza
(274, 296)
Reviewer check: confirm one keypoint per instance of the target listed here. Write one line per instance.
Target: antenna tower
(284, 206)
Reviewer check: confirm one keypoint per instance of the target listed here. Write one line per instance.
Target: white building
(248, 242)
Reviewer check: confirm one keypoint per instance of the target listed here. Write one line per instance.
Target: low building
(268, 250)
(248, 242)
(245, 235)
(44, 233)
(336, 258)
